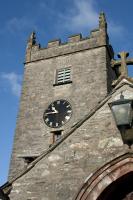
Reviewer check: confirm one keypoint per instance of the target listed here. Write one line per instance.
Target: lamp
(122, 110)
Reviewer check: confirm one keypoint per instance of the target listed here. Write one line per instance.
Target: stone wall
(89, 70)
(59, 175)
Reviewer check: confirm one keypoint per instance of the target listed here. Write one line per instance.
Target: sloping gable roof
(124, 79)
(7, 186)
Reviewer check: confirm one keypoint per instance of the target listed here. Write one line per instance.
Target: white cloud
(83, 15)
(14, 81)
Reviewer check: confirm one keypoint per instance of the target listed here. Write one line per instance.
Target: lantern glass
(122, 112)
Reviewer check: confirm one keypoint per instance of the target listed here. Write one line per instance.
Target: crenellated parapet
(98, 37)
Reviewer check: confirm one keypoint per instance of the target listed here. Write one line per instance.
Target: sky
(50, 19)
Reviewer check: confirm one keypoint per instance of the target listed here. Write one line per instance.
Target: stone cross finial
(121, 65)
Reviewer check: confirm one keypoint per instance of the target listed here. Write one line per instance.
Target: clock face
(57, 113)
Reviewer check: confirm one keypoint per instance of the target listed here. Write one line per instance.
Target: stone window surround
(62, 77)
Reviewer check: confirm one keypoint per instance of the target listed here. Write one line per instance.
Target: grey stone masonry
(91, 79)
(59, 174)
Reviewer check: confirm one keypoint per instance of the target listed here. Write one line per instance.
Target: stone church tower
(67, 145)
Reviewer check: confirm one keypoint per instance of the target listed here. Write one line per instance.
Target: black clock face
(57, 113)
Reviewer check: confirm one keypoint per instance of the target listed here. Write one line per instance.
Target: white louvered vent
(63, 75)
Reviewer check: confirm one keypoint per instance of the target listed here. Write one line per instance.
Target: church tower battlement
(76, 43)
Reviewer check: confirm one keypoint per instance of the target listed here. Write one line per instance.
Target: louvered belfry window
(63, 75)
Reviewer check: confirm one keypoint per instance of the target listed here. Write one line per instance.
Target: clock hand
(54, 109)
(54, 112)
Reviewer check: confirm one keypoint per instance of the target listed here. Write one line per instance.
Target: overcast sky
(51, 19)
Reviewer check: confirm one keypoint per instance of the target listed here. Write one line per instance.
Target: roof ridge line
(73, 128)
